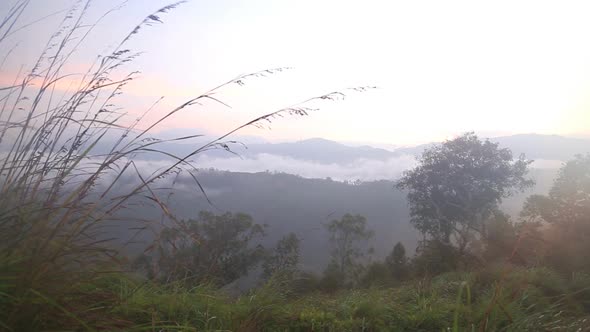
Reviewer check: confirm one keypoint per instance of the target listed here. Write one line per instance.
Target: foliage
(397, 261)
(530, 300)
(568, 201)
(390, 272)
(457, 186)
(434, 257)
(54, 185)
(283, 259)
(333, 279)
(304, 283)
(213, 248)
(378, 274)
(566, 214)
(347, 236)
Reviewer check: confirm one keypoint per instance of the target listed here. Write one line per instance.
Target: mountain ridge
(534, 146)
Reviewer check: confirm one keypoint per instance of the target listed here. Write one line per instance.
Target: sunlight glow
(442, 68)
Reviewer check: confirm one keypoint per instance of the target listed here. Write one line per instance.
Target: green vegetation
(347, 236)
(215, 249)
(458, 186)
(531, 299)
(283, 259)
(515, 276)
(60, 270)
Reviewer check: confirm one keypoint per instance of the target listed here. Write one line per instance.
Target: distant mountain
(534, 146)
(315, 149)
(321, 158)
(551, 147)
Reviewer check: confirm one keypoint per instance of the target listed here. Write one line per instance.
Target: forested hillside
(289, 203)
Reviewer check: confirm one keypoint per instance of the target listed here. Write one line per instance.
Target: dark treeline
(380, 202)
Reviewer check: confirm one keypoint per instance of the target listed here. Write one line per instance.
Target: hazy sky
(442, 67)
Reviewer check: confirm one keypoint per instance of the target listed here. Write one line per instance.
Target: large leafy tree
(458, 185)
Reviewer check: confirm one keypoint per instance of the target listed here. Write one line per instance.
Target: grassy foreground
(491, 300)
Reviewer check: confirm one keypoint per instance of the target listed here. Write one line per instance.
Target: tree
(434, 257)
(348, 236)
(506, 240)
(213, 248)
(500, 237)
(566, 211)
(397, 261)
(389, 272)
(284, 258)
(377, 274)
(457, 186)
(568, 201)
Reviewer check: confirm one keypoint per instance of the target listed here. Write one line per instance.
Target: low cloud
(362, 169)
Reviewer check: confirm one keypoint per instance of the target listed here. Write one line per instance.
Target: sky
(440, 67)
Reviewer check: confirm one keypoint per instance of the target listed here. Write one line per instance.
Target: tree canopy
(459, 184)
(213, 248)
(568, 201)
(565, 211)
(284, 258)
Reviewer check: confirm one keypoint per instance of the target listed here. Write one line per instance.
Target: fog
(360, 169)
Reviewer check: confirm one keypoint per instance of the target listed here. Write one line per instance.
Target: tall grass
(449, 302)
(56, 185)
